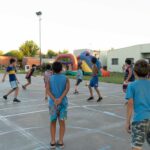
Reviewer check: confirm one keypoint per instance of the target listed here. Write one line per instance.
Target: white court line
(105, 147)
(23, 132)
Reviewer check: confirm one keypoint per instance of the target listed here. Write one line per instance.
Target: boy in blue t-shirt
(57, 90)
(79, 78)
(138, 97)
(12, 79)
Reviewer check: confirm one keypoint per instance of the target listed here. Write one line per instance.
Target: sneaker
(5, 97)
(16, 100)
(52, 146)
(61, 146)
(99, 99)
(24, 88)
(90, 98)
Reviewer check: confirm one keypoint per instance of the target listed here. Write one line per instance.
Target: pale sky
(74, 24)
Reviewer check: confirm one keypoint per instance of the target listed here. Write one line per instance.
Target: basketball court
(90, 125)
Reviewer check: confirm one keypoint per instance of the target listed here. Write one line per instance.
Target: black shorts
(78, 82)
(29, 79)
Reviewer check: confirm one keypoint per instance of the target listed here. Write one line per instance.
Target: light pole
(39, 14)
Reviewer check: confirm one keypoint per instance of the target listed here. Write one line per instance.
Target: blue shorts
(94, 82)
(14, 84)
(58, 112)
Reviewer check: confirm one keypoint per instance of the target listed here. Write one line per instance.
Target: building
(117, 57)
(30, 61)
(4, 60)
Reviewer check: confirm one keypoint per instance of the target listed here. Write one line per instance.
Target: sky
(75, 24)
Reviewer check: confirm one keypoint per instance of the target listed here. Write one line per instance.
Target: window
(132, 60)
(114, 61)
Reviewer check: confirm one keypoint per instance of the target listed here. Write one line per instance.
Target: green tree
(1, 53)
(29, 48)
(64, 52)
(15, 53)
(51, 53)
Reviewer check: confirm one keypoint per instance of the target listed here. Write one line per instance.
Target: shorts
(140, 133)
(58, 112)
(94, 82)
(29, 79)
(14, 84)
(78, 82)
(124, 87)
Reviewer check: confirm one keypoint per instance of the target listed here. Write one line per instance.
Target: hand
(126, 81)
(58, 101)
(128, 128)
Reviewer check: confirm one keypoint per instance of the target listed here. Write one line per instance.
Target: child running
(57, 90)
(28, 76)
(129, 75)
(11, 70)
(47, 75)
(138, 103)
(94, 81)
(79, 78)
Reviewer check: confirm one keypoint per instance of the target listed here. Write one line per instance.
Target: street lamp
(39, 14)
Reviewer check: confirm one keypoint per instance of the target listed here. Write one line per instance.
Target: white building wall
(122, 54)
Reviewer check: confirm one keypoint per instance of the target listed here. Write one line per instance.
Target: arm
(59, 100)
(129, 114)
(129, 76)
(3, 80)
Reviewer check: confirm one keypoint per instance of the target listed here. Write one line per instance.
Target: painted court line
(108, 147)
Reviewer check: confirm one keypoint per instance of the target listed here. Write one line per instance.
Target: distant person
(47, 74)
(57, 90)
(11, 70)
(129, 74)
(28, 76)
(94, 81)
(79, 78)
(138, 104)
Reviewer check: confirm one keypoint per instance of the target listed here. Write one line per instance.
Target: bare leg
(91, 91)
(76, 88)
(16, 92)
(98, 92)
(136, 149)
(12, 90)
(53, 132)
(61, 131)
(27, 84)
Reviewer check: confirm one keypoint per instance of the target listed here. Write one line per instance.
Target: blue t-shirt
(139, 91)
(12, 73)
(58, 86)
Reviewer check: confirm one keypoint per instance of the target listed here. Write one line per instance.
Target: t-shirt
(30, 73)
(139, 91)
(12, 73)
(47, 75)
(79, 74)
(58, 86)
(132, 78)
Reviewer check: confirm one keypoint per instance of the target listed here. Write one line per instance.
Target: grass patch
(116, 78)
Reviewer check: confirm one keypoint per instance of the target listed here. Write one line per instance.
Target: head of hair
(94, 60)
(48, 67)
(12, 60)
(57, 67)
(33, 65)
(141, 68)
(79, 66)
(128, 61)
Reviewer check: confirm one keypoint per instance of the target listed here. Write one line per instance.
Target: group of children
(57, 86)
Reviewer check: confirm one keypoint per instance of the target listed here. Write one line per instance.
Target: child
(12, 79)
(94, 81)
(57, 90)
(129, 75)
(138, 101)
(47, 75)
(79, 78)
(28, 76)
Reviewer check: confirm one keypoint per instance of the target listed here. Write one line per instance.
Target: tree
(1, 53)
(29, 48)
(51, 53)
(15, 53)
(64, 52)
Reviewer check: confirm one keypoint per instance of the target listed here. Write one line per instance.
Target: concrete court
(90, 125)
